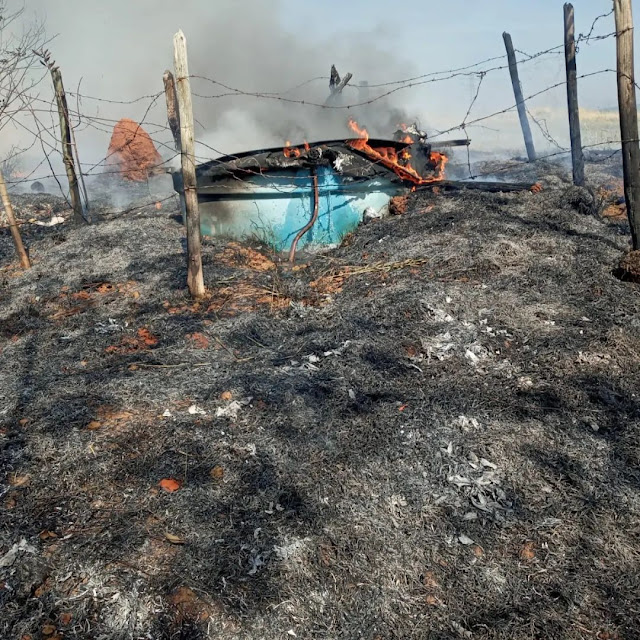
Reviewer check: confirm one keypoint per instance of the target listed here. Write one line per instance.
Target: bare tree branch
(20, 71)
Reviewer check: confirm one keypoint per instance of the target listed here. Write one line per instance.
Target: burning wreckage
(272, 194)
(315, 193)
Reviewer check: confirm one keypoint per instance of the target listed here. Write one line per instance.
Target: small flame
(388, 156)
(290, 152)
(440, 160)
(362, 133)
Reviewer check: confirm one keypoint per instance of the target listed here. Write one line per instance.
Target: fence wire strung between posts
(44, 132)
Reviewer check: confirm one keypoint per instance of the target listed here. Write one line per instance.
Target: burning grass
(448, 446)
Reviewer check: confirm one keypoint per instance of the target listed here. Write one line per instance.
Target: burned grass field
(431, 431)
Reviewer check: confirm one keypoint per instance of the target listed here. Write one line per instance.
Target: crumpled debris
(339, 351)
(478, 481)
(256, 561)
(300, 309)
(51, 223)
(15, 552)
(371, 214)
(593, 359)
(291, 550)
(465, 422)
(462, 632)
(232, 409)
(111, 327)
(195, 410)
(472, 357)
(304, 366)
(438, 315)
(439, 347)
(475, 353)
(525, 382)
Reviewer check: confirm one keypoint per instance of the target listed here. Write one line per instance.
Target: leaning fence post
(577, 155)
(13, 225)
(517, 91)
(195, 277)
(628, 115)
(67, 155)
(66, 133)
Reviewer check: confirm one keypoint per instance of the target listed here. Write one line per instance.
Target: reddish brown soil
(132, 151)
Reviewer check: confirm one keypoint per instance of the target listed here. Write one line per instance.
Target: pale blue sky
(462, 30)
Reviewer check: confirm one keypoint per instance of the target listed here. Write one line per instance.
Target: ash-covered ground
(432, 431)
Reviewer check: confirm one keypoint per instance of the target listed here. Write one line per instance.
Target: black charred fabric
(353, 163)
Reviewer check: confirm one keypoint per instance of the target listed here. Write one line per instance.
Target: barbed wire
(507, 167)
(587, 38)
(152, 96)
(511, 165)
(92, 120)
(544, 129)
(479, 70)
(470, 69)
(402, 84)
(528, 98)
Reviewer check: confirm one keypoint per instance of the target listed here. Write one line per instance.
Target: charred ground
(436, 435)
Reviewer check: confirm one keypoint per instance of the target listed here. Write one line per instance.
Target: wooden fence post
(172, 107)
(577, 155)
(628, 115)
(195, 277)
(517, 92)
(13, 225)
(336, 85)
(67, 153)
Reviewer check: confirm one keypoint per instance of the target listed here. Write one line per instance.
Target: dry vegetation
(429, 432)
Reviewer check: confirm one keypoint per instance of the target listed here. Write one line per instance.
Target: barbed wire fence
(41, 125)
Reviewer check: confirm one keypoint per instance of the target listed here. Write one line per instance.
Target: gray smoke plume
(120, 49)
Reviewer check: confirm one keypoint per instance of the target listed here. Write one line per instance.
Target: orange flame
(388, 156)
(290, 152)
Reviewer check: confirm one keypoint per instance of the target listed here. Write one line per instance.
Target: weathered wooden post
(336, 85)
(172, 107)
(577, 155)
(195, 277)
(13, 225)
(517, 91)
(67, 153)
(628, 115)
(67, 137)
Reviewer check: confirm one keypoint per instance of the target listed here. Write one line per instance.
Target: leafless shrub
(20, 71)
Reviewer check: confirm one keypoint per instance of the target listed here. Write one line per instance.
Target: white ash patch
(475, 486)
